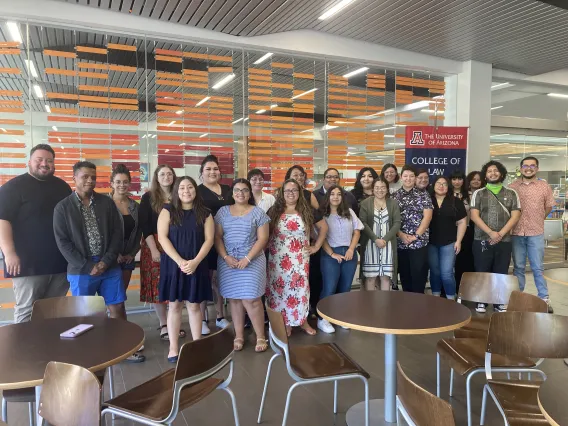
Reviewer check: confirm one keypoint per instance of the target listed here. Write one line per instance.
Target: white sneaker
(205, 329)
(547, 300)
(325, 326)
(500, 308)
(481, 308)
(345, 328)
(222, 323)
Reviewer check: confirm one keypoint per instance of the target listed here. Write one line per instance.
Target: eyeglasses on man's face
(331, 177)
(529, 166)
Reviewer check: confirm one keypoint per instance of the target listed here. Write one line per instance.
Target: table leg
(39, 419)
(390, 378)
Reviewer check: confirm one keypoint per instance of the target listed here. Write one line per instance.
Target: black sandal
(165, 336)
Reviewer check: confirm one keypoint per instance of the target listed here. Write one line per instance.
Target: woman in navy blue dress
(186, 232)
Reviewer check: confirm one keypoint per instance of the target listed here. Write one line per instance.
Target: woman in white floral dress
(288, 289)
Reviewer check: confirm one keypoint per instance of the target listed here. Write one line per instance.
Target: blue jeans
(442, 260)
(533, 247)
(337, 277)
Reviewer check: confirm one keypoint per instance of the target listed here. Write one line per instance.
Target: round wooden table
(27, 348)
(551, 400)
(390, 313)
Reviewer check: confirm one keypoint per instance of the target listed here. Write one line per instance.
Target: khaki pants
(29, 289)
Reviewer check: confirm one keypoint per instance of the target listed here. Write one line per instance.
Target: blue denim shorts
(109, 285)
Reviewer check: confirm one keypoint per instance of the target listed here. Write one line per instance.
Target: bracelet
(247, 258)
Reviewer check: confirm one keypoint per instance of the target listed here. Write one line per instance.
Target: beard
(40, 174)
(494, 181)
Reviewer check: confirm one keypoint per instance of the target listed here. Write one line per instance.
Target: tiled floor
(312, 405)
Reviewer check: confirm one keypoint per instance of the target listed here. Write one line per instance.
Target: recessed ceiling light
(31, 68)
(48, 109)
(497, 107)
(202, 101)
(172, 123)
(338, 7)
(513, 158)
(328, 127)
(54, 128)
(557, 95)
(357, 71)
(261, 111)
(14, 30)
(133, 144)
(224, 81)
(238, 120)
(304, 93)
(389, 136)
(432, 111)
(203, 135)
(263, 58)
(501, 86)
(180, 112)
(273, 106)
(38, 91)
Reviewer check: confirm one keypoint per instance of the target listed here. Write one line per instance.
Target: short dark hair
(420, 171)
(291, 169)
(43, 147)
(502, 169)
(247, 183)
(331, 168)
(530, 157)
(83, 164)
(120, 169)
(408, 168)
(255, 172)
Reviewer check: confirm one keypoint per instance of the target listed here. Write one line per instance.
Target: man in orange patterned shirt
(528, 235)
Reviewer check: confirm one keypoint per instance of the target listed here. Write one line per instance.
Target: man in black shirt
(31, 256)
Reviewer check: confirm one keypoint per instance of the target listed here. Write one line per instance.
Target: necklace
(379, 205)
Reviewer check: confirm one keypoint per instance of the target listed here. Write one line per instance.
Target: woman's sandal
(309, 332)
(164, 335)
(261, 345)
(238, 344)
(288, 331)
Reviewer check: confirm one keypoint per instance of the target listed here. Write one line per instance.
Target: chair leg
(366, 382)
(437, 378)
(452, 382)
(234, 402)
(31, 413)
(266, 387)
(4, 410)
(483, 406)
(335, 397)
(468, 398)
(111, 382)
(288, 398)
(398, 411)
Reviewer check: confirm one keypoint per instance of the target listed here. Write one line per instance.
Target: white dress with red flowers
(288, 289)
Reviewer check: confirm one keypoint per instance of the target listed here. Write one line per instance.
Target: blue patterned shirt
(412, 205)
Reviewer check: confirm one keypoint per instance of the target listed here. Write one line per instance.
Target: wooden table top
(551, 400)
(394, 312)
(27, 348)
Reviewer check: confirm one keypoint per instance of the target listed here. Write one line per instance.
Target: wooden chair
(418, 406)
(466, 355)
(309, 364)
(71, 396)
(522, 334)
(57, 307)
(159, 400)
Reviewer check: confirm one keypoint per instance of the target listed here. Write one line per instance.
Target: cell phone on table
(76, 331)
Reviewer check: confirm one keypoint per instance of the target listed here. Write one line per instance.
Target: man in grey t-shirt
(495, 210)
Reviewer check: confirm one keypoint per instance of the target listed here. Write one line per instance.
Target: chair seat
(478, 328)
(154, 398)
(519, 401)
(465, 355)
(19, 395)
(323, 360)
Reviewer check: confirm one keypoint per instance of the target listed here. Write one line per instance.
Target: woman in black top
(298, 173)
(364, 184)
(215, 195)
(447, 228)
(464, 260)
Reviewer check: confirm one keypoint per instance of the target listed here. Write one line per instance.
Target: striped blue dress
(239, 235)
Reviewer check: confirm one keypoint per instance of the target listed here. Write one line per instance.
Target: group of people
(210, 241)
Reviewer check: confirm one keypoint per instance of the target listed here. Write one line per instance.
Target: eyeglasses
(257, 180)
(527, 166)
(165, 175)
(379, 189)
(330, 177)
(441, 184)
(290, 191)
(243, 191)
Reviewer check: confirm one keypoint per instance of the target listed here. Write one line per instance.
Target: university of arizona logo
(417, 138)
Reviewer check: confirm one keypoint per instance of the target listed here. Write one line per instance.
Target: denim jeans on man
(442, 260)
(337, 277)
(533, 247)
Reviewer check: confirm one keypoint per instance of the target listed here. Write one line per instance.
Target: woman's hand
(348, 254)
(155, 255)
(231, 261)
(457, 247)
(190, 266)
(380, 243)
(337, 257)
(311, 250)
(243, 263)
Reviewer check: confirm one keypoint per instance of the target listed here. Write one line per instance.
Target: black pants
(413, 269)
(492, 258)
(315, 280)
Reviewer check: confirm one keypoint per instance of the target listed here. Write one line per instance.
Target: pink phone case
(76, 331)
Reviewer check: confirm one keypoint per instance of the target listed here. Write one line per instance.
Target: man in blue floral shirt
(415, 214)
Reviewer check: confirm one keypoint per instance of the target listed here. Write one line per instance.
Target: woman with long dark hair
(447, 228)
(389, 172)
(151, 205)
(240, 237)
(186, 232)
(464, 259)
(291, 221)
(364, 184)
(339, 255)
(474, 181)
(298, 173)
(215, 195)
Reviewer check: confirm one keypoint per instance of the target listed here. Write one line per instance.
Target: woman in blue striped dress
(241, 235)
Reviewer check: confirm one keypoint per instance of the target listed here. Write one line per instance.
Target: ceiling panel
(526, 36)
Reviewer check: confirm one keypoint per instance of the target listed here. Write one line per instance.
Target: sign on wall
(440, 150)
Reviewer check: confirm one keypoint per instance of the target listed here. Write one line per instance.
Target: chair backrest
(528, 334)
(487, 287)
(277, 325)
(206, 356)
(524, 302)
(424, 408)
(69, 306)
(70, 396)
